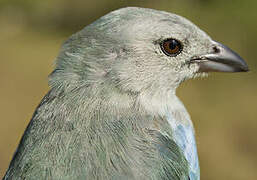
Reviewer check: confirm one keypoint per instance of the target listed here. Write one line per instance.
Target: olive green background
(223, 106)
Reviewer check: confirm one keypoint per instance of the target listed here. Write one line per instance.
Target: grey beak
(223, 59)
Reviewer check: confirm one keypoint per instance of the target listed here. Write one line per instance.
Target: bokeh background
(223, 106)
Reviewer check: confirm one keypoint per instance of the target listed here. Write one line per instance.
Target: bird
(112, 112)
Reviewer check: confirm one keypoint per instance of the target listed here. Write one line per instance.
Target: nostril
(216, 49)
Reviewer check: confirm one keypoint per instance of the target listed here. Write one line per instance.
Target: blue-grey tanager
(112, 112)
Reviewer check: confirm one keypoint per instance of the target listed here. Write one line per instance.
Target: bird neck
(111, 122)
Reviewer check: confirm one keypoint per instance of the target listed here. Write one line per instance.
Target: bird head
(138, 49)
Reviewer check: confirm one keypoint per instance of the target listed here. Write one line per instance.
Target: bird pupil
(173, 44)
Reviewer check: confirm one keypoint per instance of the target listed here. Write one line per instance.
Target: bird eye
(171, 47)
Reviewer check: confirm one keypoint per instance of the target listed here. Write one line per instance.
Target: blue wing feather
(183, 135)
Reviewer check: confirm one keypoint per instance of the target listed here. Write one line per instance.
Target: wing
(173, 164)
(45, 147)
(27, 161)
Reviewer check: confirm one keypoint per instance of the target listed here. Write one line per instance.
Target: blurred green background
(223, 106)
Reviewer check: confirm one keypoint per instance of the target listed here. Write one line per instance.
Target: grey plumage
(109, 113)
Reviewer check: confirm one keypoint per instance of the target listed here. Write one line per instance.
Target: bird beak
(223, 59)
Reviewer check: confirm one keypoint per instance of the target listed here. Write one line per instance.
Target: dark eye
(171, 47)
